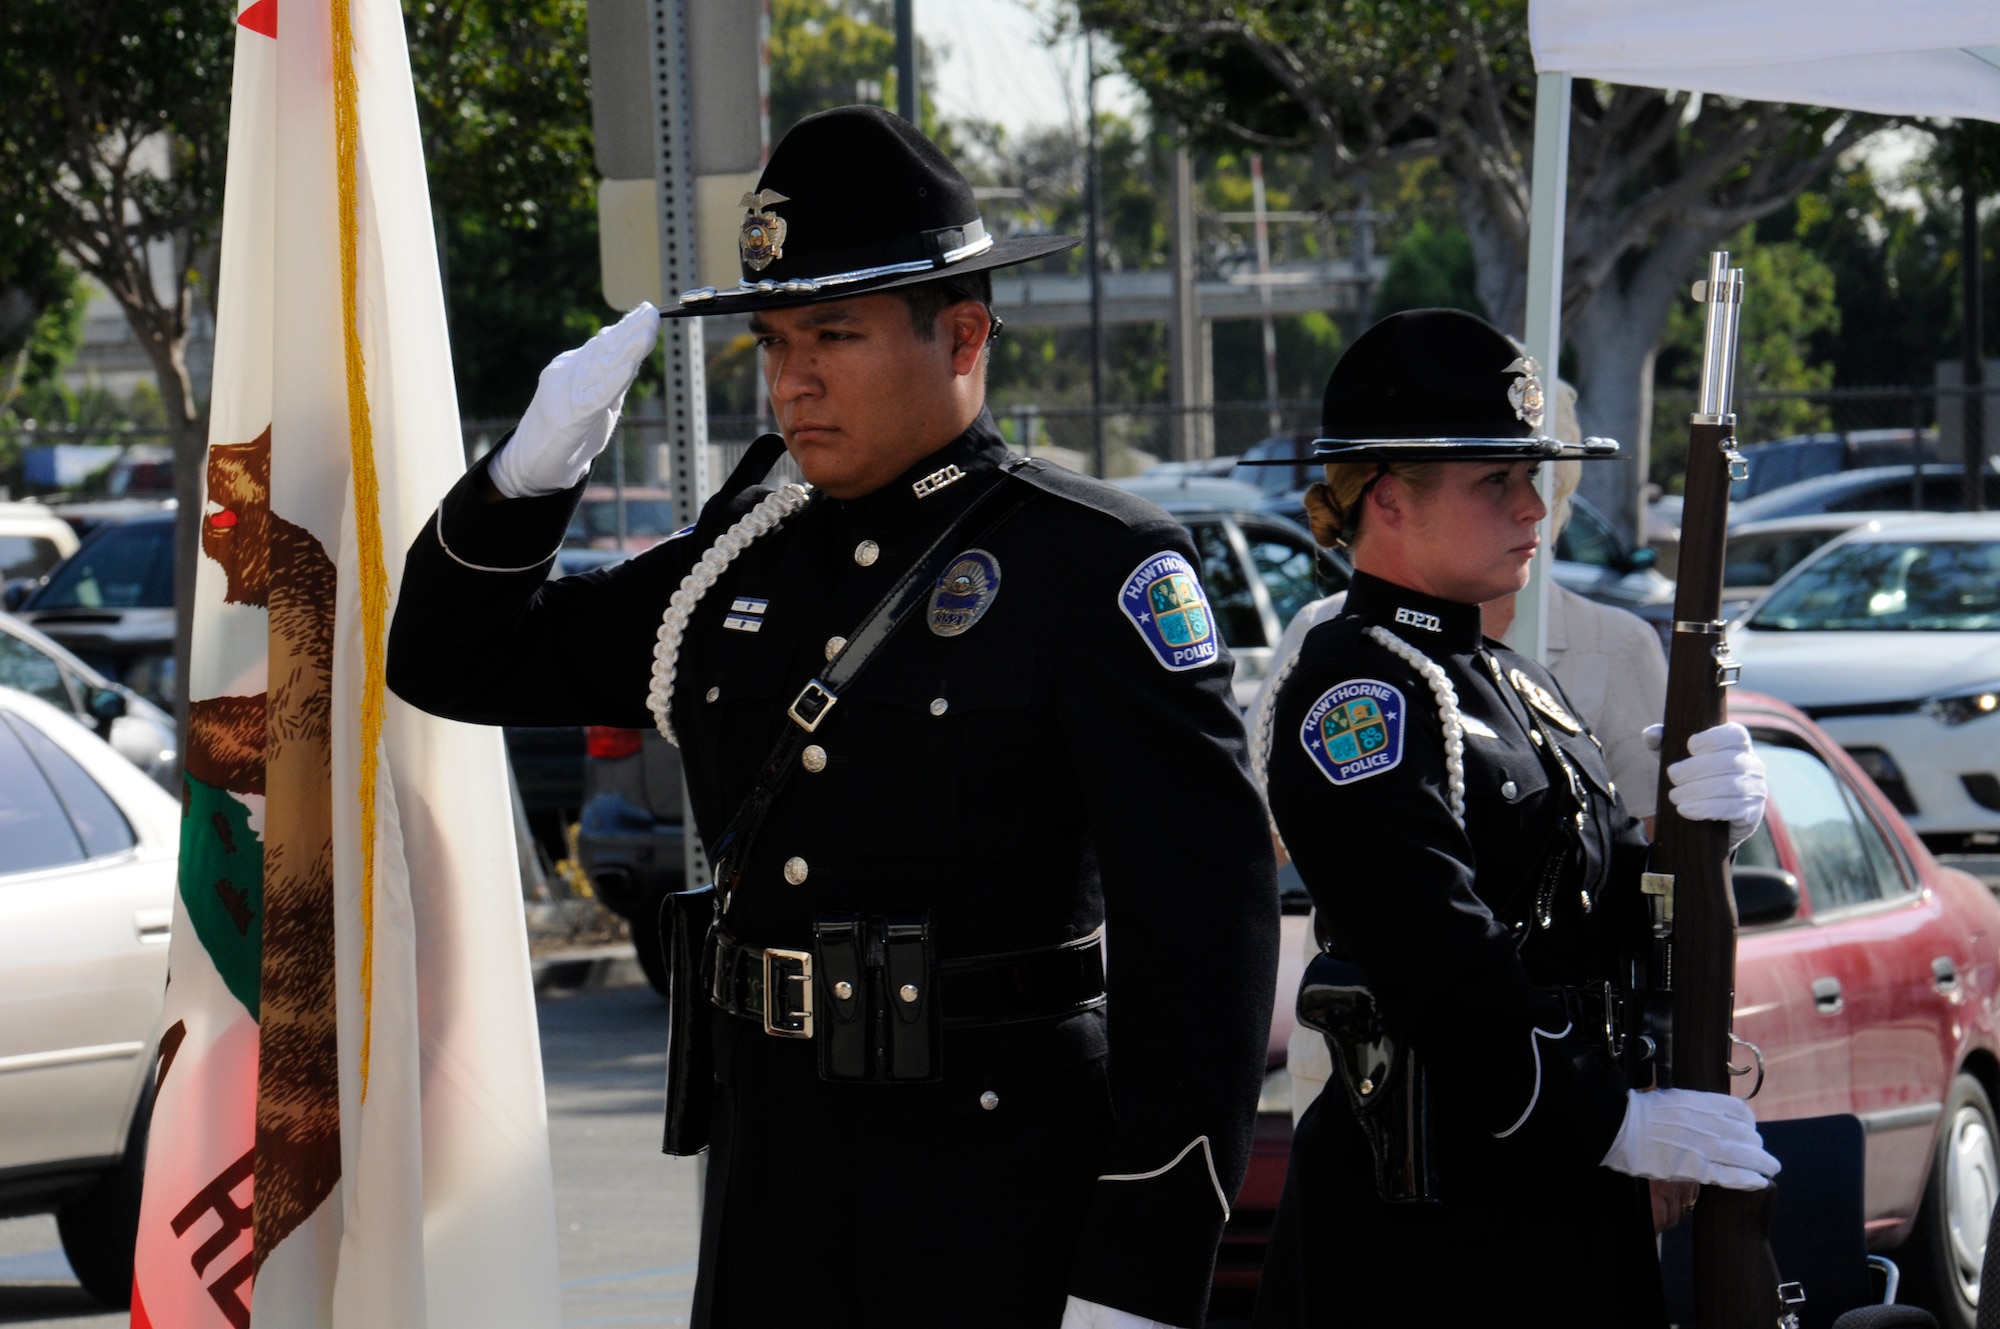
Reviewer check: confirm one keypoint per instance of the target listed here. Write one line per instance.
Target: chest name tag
(1544, 701)
(1355, 730)
(1164, 600)
(964, 592)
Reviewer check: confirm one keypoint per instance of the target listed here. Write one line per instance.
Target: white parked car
(33, 539)
(88, 847)
(137, 730)
(1760, 552)
(1889, 637)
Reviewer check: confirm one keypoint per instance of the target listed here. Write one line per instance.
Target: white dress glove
(1722, 779)
(1684, 1135)
(575, 406)
(1079, 1314)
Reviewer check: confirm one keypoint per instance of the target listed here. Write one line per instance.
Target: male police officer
(962, 1130)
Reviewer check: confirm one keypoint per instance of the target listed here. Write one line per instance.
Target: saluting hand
(1722, 779)
(576, 405)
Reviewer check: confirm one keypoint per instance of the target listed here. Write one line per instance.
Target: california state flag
(349, 1126)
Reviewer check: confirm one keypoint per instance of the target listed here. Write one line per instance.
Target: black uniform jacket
(1045, 772)
(1466, 941)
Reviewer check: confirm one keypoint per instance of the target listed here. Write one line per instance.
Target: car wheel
(647, 941)
(1947, 1247)
(100, 1227)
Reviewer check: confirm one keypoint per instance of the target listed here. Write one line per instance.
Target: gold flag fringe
(367, 494)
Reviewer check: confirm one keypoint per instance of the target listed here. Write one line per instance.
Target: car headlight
(1961, 707)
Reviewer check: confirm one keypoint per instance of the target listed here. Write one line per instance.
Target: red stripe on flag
(140, 1320)
(261, 17)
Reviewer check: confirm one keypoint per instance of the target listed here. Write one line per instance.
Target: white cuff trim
(1535, 1051)
(481, 567)
(1208, 1155)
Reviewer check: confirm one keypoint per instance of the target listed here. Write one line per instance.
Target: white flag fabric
(1914, 57)
(349, 1126)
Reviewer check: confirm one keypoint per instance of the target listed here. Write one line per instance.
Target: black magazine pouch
(875, 981)
(1381, 1075)
(686, 918)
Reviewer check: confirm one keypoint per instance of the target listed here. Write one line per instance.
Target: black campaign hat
(856, 200)
(1439, 385)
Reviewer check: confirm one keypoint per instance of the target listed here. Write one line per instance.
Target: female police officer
(1470, 861)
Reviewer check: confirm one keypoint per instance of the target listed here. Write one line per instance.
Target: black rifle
(1735, 1277)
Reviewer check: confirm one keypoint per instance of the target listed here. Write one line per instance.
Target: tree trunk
(165, 339)
(1614, 399)
(1499, 270)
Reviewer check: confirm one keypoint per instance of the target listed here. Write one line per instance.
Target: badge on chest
(964, 592)
(1544, 701)
(1355, 730)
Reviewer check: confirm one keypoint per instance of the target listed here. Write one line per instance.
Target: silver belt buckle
(815, 699)
(782, 967)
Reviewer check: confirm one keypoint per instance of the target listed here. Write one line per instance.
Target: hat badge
(1525, 392)
(762, 237)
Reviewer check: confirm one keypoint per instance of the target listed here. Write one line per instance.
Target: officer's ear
(968, 325)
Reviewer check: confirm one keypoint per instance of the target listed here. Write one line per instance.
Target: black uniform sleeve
(480, 634)
(1184, 855)
(1392, 874)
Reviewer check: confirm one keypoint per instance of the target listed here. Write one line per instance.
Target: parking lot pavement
(626, 1215)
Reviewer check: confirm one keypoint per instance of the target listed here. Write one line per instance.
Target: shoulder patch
(1164, 600)
(1355, 730)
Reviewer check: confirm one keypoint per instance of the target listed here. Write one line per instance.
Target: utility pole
(1263, 229)
(906, 60)
(1095, 202)
(1189, 380)
(1972, 326)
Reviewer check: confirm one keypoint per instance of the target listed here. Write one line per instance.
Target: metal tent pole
(1543, 334)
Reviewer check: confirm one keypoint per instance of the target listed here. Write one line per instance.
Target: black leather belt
(1041, 984)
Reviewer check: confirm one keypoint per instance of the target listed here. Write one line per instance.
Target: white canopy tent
(1910, 57)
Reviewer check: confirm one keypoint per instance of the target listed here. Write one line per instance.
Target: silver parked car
(88, 848)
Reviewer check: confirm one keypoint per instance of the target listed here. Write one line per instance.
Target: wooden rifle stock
(1735, 1276)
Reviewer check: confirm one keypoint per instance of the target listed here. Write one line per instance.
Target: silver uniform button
(866, 553)
(714, 693)
(908, 992)
(813, 758)
(1508, 790)
(834, 646)
(989, 1100)
(843, 989)
(1614, 788)
(939, 705)
(796, 870)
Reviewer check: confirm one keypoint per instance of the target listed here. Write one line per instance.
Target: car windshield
(124, 567)
(1760, 558)
(27, 555)
(1892, 586)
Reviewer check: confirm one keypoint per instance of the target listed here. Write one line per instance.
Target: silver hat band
(811, 285)
(1443, 449)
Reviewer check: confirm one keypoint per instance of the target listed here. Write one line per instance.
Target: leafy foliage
(503, 98)
(113, 148)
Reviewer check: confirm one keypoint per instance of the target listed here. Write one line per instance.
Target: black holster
(686, 919)
(875, 988)
(1382, 1076)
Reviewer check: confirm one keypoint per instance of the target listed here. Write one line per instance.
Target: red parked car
(1867, 973)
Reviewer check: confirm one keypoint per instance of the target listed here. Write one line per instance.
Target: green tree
(1789, 305)
(1430, 269)
(503, 98)
(1656, 178)
(113, 148)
